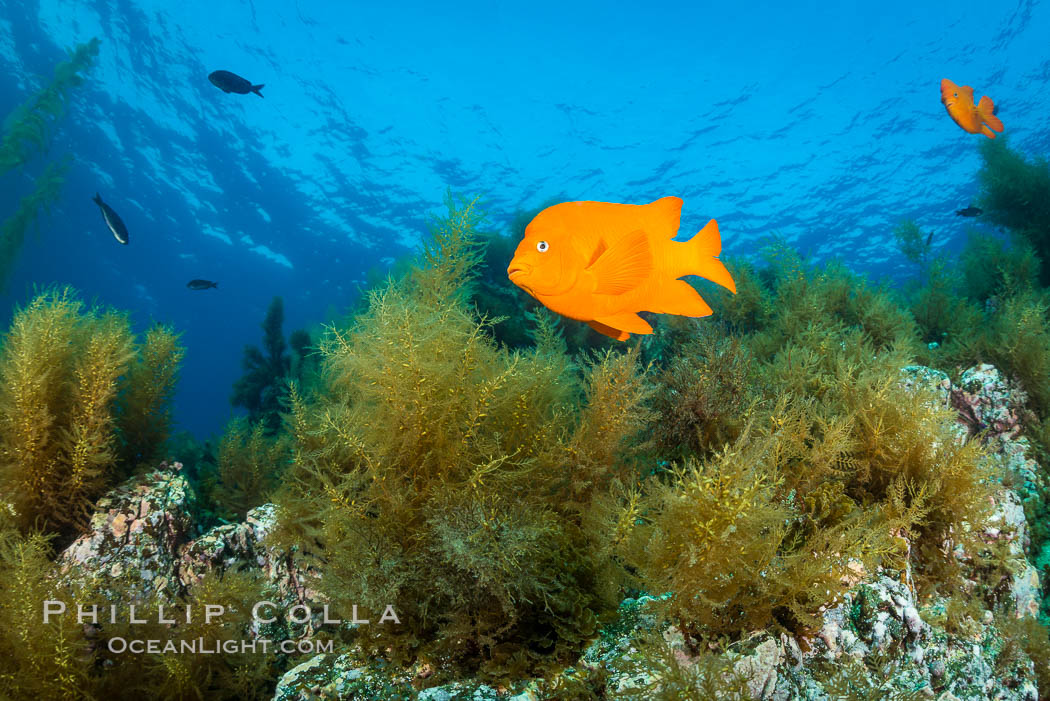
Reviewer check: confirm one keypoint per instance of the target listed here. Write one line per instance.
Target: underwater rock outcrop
(878, 643)
(987, 402)
(131, 546)
(879, 640)
(241, 546)
(139, 548)
(993, 406)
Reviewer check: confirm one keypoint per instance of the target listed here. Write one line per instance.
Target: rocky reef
(879, 640)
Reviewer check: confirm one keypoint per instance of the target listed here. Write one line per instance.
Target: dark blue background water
(817, 122)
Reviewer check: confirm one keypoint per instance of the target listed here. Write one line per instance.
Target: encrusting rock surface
(134, 537)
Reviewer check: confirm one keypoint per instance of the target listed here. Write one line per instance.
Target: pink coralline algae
(987, 402)
(136, 530)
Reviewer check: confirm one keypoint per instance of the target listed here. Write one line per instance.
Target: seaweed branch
(31, 124)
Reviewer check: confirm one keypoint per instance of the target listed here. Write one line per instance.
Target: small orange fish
(976, 119)
(602, 263)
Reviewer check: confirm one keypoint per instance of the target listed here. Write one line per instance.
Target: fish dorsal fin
(623, 266)
(665, 215)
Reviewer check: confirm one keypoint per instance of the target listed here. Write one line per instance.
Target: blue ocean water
(819, 123)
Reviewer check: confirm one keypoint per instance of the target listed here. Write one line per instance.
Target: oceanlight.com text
(201, 646)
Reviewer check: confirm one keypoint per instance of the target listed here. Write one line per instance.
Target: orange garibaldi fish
(976, 119)
(601, 263)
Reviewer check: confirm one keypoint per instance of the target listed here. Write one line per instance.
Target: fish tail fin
(97, 199)
(679, 298)
(257, 88)
(986, 110)
(706, 246)
(215, 285)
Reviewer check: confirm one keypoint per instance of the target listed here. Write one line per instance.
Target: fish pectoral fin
(609, 331)
(628, 321)
(623, 266)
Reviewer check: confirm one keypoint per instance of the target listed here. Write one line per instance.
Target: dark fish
(231, 82)
(970, 211)
(201, 284)
(113, 221)
(929, 239)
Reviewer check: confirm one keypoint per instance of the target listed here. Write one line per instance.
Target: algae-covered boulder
(878, 639)
(130, 550)
(289, 582)
(340, 676)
